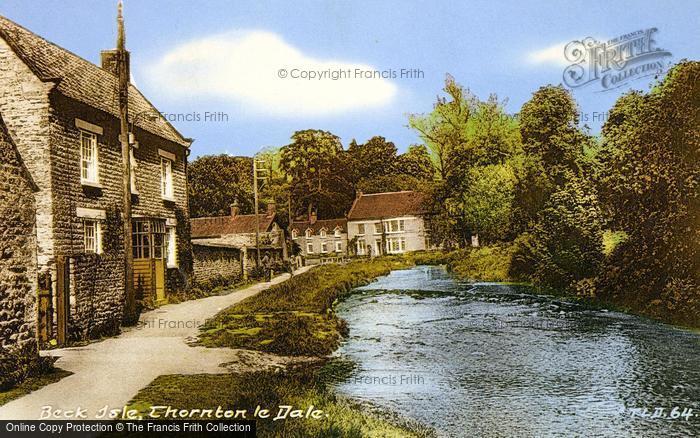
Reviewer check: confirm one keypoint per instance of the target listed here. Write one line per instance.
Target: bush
(21, 363)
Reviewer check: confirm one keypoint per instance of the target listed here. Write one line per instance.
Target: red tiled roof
(329, 224)
(222, 225)
(386, 205)
(82, 80)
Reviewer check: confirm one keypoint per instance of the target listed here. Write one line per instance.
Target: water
(496, 360)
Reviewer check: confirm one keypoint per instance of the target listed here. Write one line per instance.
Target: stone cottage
(63, 114)
(320, 239)
(388, 223)
(224, 246)
(18, 280)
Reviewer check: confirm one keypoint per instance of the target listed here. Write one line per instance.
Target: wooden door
(159, 279)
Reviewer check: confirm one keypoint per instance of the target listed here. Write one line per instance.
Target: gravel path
(110, 372)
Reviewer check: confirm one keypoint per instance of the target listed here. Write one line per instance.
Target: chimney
(271, 208)
(313, 217)
(108, 58)
(234, 209)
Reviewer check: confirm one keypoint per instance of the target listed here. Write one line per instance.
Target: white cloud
(244, 67)
(555, 55)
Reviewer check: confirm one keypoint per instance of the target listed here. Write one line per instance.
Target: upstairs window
(337, 232)
(166, 178)
(378, 228)
(308, 233)
(295, 234)
(323, 233)
(88, 158)
(92, 236)
(397, 225)
(361, 229)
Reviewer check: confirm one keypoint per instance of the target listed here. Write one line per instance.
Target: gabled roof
(224, 225)
(329, 224)
(82, 80)
(388, 205)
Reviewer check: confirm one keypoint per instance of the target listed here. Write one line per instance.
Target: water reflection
(494, 360)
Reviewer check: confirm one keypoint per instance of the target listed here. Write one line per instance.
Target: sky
(236, 76)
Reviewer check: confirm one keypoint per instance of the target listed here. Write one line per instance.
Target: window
(324, 247)
(171, 247)
(338, 246)
(361, 229)
(378, 228)
(378, 246)
(88, 158)
(166, 178)
(337, 232)
(92, 236)
(323, 233)
(309, 233)
(295, 234)
(310, 248)
(148, 239)
(395, 245)
(397, 225)
(361, 248)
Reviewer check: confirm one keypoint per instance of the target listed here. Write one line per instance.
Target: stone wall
(214, 262)
(18, 274)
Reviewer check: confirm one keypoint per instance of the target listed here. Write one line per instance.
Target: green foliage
(416, 163)
(373, 159)
(487, 263)
(217, 181)
(318, 174)
(650, 185)
(565, 245)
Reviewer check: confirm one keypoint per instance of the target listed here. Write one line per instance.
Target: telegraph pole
(256, 172)
(123, 73)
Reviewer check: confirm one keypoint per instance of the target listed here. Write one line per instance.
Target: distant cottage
(225, 245)
(63, 114)
(319, 239)
(388, 223)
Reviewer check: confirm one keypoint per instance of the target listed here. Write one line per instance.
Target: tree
(445, 128)
(650, 184)
(553, 146)
(217, 181)
(375, 158)
(416, 163)
(315, 166)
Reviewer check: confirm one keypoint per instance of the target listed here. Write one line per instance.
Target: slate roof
(328, 224)
(223, 225)
(82, 80)
(387, 205)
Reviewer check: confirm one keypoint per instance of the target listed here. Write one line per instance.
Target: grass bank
(296, 318)
(32, 384)
(300, 388)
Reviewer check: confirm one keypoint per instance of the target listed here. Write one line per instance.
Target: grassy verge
(31, 384)
(298, 387)
(295, 318)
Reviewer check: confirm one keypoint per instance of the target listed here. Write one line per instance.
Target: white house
(388, 223)
(318, 239)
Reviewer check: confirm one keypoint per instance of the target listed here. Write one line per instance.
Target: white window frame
(89, 166)
(295, 234)
(171, 246)
(396, 225)
(378, 246)
(338, 246)
(377, 228)
(323, 233)
(166, 178)
(360, 247)
(324, 247)
(337, 232)
(395, 245)
(308, 233)
(309, 247)
(92, 244)
(361, 229)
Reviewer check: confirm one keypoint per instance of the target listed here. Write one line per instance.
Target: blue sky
(224, 57)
